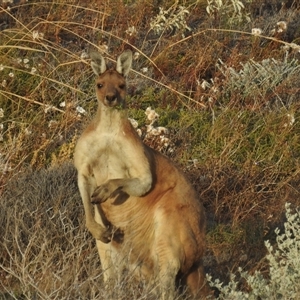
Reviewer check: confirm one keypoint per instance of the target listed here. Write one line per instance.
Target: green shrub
(283, 281)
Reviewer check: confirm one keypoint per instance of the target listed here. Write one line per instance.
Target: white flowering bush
(284, 271)
(155, 136)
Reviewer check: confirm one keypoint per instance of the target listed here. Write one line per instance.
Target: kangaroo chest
(108, 156)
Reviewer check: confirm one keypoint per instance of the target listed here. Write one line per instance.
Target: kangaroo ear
(98, 63)
(124, 62)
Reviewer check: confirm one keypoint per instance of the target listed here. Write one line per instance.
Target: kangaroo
(137, 204)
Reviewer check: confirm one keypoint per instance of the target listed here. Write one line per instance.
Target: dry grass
(44, 253)
(229, 99)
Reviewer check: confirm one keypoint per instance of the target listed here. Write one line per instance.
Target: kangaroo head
(110, 83)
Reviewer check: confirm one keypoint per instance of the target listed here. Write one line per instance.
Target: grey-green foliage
(233, 10)
(284, 262)
(257, 78)
(170, 19)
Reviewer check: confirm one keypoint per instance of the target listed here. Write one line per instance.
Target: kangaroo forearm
(132, 186)
(136, 187)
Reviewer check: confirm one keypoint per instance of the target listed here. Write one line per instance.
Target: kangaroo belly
(157, 226)
(136, 223)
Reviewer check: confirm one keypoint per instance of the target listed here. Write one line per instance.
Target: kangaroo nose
(111, 98)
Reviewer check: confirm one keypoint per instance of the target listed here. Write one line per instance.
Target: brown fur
(147, 214)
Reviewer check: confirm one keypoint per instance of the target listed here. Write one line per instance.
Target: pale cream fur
(147, 215)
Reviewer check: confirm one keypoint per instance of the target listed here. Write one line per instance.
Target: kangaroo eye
(99, 85)
(122, 86)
